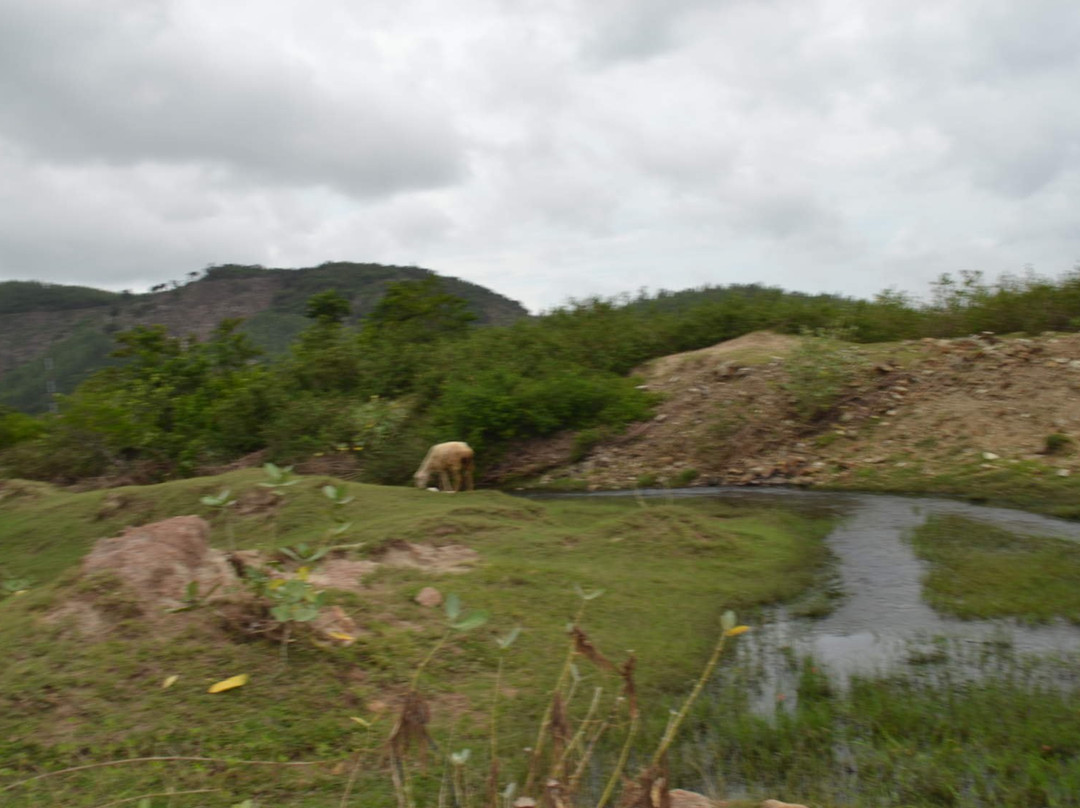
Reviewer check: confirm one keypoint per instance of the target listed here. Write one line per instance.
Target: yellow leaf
(303, 573)
(360, 721)
(229, 684)
(169, 682)
(340, 635)
(735, 632)
(276, 583)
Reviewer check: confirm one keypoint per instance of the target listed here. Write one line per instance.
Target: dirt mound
(157, 562)
(928, 406)
(745, 350)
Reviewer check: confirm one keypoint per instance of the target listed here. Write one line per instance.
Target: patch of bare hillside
(728, 417)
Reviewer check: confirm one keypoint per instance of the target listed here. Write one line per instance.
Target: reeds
(567, 739)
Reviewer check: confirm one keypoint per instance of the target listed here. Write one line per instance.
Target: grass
(69, 700)
(981, 571)
(1008, 738)
(1025, 484)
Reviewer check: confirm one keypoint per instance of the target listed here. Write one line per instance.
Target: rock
(157, 561)
(429, 596)
(680, 798)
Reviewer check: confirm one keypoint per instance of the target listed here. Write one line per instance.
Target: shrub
(1057, 443)
(818, 373)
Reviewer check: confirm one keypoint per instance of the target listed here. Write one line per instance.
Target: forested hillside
(73, 327)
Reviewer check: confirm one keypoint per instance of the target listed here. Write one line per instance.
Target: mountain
(52, 337)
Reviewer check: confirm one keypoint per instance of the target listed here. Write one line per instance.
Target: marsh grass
(1028, 484)
(69, 699)
(981, 571)
(983, 727)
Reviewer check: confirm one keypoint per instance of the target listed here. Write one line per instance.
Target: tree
(328, 307)
(418, 312)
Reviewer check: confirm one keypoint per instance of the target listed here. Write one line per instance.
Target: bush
(818, 373)
(1057, 443)
(498, 406)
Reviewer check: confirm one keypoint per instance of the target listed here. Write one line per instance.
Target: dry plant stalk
(630, 692)
(411, 726)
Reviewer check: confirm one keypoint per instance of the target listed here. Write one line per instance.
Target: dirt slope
(934, 404)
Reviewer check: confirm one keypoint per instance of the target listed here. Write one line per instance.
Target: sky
(547, 149)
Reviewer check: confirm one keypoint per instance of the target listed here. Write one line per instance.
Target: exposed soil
(727, 419)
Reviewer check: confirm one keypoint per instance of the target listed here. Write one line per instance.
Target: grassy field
(667, 573)
(981, 571)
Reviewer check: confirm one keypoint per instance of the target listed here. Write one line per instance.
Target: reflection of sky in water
(882, 624)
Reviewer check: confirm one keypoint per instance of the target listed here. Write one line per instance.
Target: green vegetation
(818, 373)
(76, 693)
(18, 296)
(978, 570)
(941, 737)
(414, 346)
(73, 359)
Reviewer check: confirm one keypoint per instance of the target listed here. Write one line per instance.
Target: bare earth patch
(449, 558)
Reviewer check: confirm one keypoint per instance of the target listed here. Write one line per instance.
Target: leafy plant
(295, 600)
(223, 504)
(193, 599)
(1057, 443)
(13, 586)
(279, 478)
(338, 500)
(302, 553)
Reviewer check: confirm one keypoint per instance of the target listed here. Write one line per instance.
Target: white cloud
(545, 149)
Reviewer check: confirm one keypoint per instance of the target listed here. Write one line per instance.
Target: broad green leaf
(509, 639)
(460, 758)
(581, 593)
(453, 606)
(474, 620)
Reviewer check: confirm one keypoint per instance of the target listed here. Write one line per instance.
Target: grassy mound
(79, 696)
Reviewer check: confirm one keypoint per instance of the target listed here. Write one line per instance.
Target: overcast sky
(543, 148)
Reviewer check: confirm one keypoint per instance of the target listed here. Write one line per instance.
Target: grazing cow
(447, 459)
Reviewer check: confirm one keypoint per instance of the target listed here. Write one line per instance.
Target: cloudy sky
(544, 148)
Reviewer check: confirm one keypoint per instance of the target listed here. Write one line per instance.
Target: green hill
(52, 336)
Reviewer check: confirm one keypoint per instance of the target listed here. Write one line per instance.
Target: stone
(156, 562)
(680, 798)
(430, 597)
